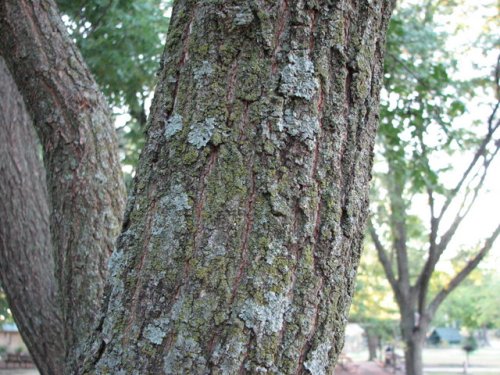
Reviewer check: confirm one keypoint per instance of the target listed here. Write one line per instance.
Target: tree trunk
(25, 242)
(483, 336)
(413, 354)
(373, 341)
(243, 234)
(84, 181)
(413, 331)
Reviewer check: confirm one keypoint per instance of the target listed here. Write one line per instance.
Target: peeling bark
(243, 234)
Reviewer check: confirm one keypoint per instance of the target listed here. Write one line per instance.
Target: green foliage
(121, 41)
(421, 101)
(424, 124)
(5, 315)
(474, 304)
(373, 305)
(419, 131)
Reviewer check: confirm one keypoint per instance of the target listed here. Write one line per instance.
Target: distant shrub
(470, 344)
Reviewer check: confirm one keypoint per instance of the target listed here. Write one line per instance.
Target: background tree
(373, 305)
(473, 305)
(242, 235)
(417, 133)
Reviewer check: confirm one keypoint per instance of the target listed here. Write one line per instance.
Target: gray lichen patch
(185, 357)
(279, 204)
(275, 249)
(170, 219)
(301, 125)
(270, 131)
(230, 355)
(115, 304)
(202, 72)
(176, 199)
(265, 319)
(318, 359)
(215, 246)
(111, 363)
(243, 16)
(201, 132)
(115, 262)
(173, 125)
(298, 79)
(156, 331)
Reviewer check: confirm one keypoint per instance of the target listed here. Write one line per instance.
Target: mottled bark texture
(243, 234)
(84, 181)
(26, 262)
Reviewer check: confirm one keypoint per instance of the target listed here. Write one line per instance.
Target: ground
(437, 361)
(363, 368)
(18, 371)
(445, 361)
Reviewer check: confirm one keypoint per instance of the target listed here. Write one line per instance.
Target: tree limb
(398, 227)
(437, 249)
(465, 207)
(481, 150)
(422, 284)
(25, 241)
(382, 255)
(460, 276)
(80, 153)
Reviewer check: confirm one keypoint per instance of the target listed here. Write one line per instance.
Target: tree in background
(242, 235)
(417, 133)
(373, 304)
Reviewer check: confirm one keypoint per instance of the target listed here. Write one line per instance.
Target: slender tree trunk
(243, 234)
(373, 342)
(84, 182)
(484, 339)
(25, 241)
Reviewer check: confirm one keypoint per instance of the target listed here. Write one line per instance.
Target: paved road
(457, 370)
(374, 368)
(363, 368)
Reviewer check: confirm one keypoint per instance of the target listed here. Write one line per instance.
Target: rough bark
(84, 180)
(243, 234)
(25, 242)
